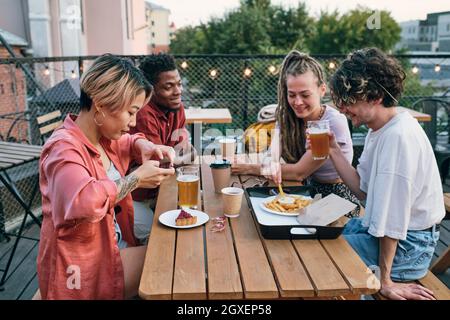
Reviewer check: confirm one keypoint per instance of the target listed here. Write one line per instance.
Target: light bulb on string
(184, 65)
(213, 73)
(331, 65)
(247, 72)
(415, 70)
(272, 69)
(46, 71)
(73, 75)
(437, 68)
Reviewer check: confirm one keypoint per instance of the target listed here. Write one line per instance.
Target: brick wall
(12, 98)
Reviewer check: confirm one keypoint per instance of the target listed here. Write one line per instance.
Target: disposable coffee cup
(221, 173)
(227, 147)
(232, 200)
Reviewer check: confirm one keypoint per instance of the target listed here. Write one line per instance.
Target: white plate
(168, 218)
(289, 214)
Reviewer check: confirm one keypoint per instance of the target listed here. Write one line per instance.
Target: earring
(95, 120)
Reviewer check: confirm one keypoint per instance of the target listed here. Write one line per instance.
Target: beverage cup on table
(221, 173)
(188, 179)
(318, 137)
(227, 147)
(232, 200)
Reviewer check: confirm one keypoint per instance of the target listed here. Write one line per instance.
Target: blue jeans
(412, 257)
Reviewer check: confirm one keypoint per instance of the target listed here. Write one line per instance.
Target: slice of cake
(185, 219)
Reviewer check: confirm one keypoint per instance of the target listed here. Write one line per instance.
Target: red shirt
(78, 201)
(160, 127)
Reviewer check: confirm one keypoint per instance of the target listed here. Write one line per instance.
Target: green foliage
(342, 34)
(256, 27)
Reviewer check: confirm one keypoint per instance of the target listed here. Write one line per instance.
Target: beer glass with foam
(318, 137)
(188, 185)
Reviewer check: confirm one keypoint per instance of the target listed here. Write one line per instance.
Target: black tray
(274, 231)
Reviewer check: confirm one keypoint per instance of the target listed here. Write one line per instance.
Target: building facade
(12, 91)
(159, 30)
(430, 35)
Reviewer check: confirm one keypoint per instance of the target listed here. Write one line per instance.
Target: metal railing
(30, 87)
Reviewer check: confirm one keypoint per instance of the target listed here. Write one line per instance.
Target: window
(153, 34)
(448, 27)
(2, 89)
(153, 23)
(153, 45)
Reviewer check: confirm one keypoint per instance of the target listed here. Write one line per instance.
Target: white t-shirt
(400, 176)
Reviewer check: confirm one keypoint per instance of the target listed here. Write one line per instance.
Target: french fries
(298, 204)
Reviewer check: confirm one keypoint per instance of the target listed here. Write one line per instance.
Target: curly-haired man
(397, 175)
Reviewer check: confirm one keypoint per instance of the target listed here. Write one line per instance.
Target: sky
(193, 12)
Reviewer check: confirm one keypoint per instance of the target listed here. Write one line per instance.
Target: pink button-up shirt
(78, 253)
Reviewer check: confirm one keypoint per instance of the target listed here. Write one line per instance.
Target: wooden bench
(430, 281)
(447, 202)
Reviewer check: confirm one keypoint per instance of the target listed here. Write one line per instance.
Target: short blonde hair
(112, 82)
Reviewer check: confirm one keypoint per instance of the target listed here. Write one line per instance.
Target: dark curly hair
(153, 65)
(367, 75)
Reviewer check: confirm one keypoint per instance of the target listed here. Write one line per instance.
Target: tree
(188, 40)
(256, 27)
(346, 33)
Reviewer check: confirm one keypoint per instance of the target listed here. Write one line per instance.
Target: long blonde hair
(292, 128)
(112, 82)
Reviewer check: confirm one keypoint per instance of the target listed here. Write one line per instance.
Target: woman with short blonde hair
(87, 248)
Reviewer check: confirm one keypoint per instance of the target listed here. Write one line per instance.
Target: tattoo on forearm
(126, 185)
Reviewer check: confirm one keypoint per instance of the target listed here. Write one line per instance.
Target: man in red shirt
(162, 121)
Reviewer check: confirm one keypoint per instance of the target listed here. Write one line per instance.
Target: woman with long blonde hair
(301, 87)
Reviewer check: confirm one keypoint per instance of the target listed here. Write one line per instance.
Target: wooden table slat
(15, 156)
(189, 276)
(208, 115)
(292, 279)
(350, 265)
(157, 275)
(291, 276)
(224, 281)
(257, 276)
(326, 278)
(20, 152)
(10, 160)
(22, 146)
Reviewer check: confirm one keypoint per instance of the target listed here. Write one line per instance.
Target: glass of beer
(188, 179)
(318, 136)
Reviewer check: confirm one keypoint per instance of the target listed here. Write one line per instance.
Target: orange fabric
(78, 253)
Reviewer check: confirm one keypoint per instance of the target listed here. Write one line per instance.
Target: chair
(47, 123)
(13, 155)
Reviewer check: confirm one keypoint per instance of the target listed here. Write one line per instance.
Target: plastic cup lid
(220, 164)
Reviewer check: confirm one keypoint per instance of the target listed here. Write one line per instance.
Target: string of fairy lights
(247, 72)
(72, 73)
(273, 70)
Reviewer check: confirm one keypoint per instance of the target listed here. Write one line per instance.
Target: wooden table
(197, 116)
(421, 117)
(238, 263)
(13, 155)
